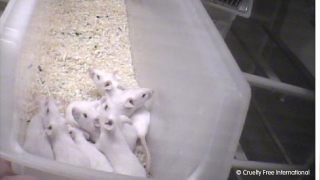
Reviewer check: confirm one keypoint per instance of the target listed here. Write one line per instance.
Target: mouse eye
(107, 84)
(144, 95)
(85, 115)
(50, 127)
(48, 110)
(28, 120)
(70, 132)
(106, 107)
(98, 77)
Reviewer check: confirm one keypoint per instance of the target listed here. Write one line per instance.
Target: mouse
(113, 144)
(64, 148)
(87, 118)
(141, 122)
(126, 102)
(37, 142)
(97, 160)
(106, 83)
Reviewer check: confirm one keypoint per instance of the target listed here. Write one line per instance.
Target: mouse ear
(49, 130)
(86, 135)
(76, 112)
(103, 99)
(72, 123)
(108, 85)
(129, 103)
(96, 123)
(69, 127)
(109, 124)
(121, 87)
(96, 105)
(70, 131)
(125, 119)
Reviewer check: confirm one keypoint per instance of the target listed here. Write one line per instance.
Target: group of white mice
(98, 134)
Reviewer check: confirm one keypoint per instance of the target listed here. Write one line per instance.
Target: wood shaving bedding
(66, 38)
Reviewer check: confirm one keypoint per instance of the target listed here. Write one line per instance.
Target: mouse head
(51, 106)
(126, 102)
(136, 98)
(54, 127)
(50, 111)
(107, 123)
(105, 82)
(77, 134)
(87, 116)
(106, 120)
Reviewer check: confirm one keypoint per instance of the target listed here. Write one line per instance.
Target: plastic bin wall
(201, 97)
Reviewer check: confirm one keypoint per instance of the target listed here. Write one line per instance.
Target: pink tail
(146, 149)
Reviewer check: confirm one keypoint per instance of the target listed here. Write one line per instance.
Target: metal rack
(238, 7)
(259, 72)
(241, 161)
(268, 80)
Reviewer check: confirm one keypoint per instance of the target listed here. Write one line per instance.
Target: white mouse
(24, 122)
(114, 146)
(64, 147)
(126, 102)
(23, 126)
(97, 159)
(141, 122)
(54, 112)
(106, 83)
(87, 117)
(90, 105)
(128, 131)
(89, 112)
(37, 141)
(129, 102)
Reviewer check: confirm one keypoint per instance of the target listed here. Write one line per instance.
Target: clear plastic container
(198, 109)
(222, 19)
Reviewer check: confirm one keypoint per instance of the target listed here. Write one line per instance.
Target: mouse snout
(150, 93)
